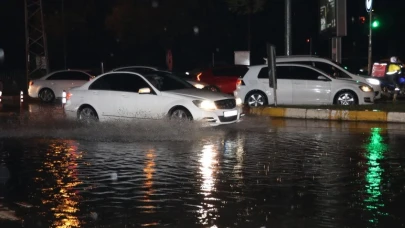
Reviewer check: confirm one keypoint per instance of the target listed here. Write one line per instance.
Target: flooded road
(259, 173)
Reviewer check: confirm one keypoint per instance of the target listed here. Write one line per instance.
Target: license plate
(230, 113)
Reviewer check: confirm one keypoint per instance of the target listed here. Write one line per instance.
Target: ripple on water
(228, 177)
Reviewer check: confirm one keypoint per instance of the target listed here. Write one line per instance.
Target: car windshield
(164, 81)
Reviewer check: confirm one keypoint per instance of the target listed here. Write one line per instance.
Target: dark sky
(219, 30)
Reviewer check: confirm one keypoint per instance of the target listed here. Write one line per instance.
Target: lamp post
(369, 8)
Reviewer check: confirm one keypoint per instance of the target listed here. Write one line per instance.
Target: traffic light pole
(370, 43)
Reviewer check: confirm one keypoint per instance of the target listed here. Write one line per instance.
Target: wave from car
(128, 95)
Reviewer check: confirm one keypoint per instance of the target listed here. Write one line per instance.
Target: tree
(246, 7)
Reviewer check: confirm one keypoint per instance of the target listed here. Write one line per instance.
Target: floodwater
(258, 173)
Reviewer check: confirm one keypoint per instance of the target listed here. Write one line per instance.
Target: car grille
(226, 104)
(227, 119)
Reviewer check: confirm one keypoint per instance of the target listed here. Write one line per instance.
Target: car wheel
(346, 98)
(46, 95)
(180, 114)
(255, 99)
(87, 115)
(213, 88)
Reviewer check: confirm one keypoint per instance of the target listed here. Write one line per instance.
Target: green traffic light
(375, 24)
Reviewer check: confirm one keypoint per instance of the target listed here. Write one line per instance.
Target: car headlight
(238, 101)
(373, 81)
(199, 86)
(205, 104)
(366, 88)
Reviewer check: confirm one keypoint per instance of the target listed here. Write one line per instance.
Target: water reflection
(149, 170)
(375, 153)
(208, 168)
(62, 197)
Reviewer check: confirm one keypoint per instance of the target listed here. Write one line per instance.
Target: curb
(327, 114)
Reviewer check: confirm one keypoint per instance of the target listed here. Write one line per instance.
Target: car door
(58, 82)
(131, 104)
(284, 86)
(307, 87)
(102, 97)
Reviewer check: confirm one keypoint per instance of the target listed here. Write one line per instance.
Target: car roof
(128, 67)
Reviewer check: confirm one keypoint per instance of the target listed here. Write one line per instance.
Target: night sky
(133, 32)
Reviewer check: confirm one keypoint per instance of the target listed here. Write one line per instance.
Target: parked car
(333, 69)
(224, 78)
(127, 95)
(147, 69)
(52, 85)
(299, 84)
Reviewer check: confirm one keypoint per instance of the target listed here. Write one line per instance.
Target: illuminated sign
(369, 5)
(328, 14)
(333, 18)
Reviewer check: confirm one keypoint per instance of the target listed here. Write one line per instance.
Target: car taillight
(240, 82)
(68, 95)
(198, 76)
(31, 83)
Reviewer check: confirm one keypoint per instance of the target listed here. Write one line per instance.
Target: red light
(308, 40)
(68, 95)
(198, 77)
(31, 83)
(362, 20)
(239, 82)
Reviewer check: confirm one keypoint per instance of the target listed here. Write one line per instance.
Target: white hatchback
(333, 69)
(129, 95)
(52, 85)
(299, 84)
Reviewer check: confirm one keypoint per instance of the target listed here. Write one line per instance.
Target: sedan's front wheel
(346, 98)
(88, 115)
(180, 114)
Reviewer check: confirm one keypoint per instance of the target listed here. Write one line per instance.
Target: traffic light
(362, 20)
(375, 24)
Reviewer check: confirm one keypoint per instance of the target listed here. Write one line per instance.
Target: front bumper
(216, 117)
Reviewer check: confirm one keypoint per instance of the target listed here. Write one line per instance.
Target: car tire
(180, 114)
(346, 97)
(46, 95)
(87, 114)
(256, 99)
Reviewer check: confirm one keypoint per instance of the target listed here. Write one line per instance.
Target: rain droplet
(196, 30)
(114, 176)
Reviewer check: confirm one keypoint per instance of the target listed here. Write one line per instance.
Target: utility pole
(35, 40)
(64, 36)
(369, 9)
(288, 44)
(370, 43)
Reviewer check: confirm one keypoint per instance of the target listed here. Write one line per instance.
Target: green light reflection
(375, 153)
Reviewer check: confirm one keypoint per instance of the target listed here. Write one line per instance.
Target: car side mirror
(323, 78)
(144, 91)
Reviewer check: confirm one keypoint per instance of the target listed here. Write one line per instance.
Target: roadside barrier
(327, 114)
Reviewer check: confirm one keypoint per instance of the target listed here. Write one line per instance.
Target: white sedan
(129, 95)
(52, 85)
(300, 84)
